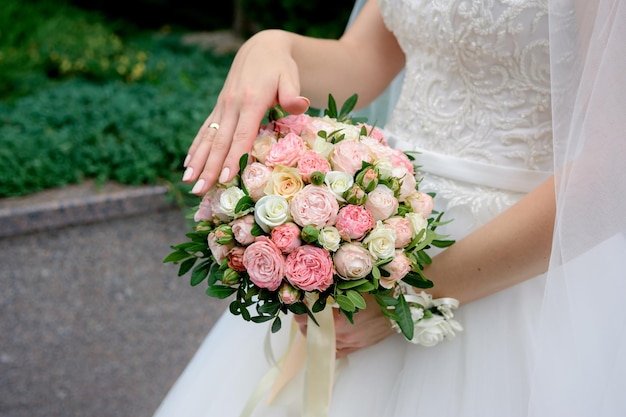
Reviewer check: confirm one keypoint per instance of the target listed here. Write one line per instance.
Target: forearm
(510, 249)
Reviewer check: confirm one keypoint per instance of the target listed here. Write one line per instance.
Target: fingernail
(224, 175)
(187, 159)
(188, 173)
(196, 188)
(308, 102)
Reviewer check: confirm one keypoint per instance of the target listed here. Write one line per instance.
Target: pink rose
(348, 156)
(403, 228)
(286, 237)
(242, 229)
(399, 158)
(263, 143)
(309, 268)
(353, 222)
(286, 151)
(382, 203)
(288, 294)
(205, 210)
(408, 185)
(314, 205)
(264, 263)
(421, 203)
(235, 259)
(311, 162)
(293, 123)
(255, 176)
(399, 266)
(218, 251)
(353, 261)
(374, 132)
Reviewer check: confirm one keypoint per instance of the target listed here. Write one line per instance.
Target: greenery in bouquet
(322, 211)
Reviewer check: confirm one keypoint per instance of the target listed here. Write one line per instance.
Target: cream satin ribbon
(465, 170)
(316, 352)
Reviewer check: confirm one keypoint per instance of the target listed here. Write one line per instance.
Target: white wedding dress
(476, 101)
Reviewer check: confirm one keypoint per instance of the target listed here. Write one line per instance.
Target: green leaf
(176, 256)
(276, 325)
(319, 305)
(345, 303)
(297, 308)
(269, 308)
(424, 258)
(331, 111)
(261, 319)
(220, 291)
(344, 285)
(186, 265)
(348, 106)
(356, 298)
(376, 272)
(417, 280)
(200, 272)
(244, 204)
(442, 243)
(405, 321)
(243, 163)
(215, 274)
(366, 287)
(256, 230)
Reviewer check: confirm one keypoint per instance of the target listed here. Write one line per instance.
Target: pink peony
(382, 203)
(311, 162)
(348, 156)
(255, 176)
(314, 205)
(286, 237)
(399, 266)
(242, 229)
(399, 158)
(403, 228)
(353, 222)
(293, 123)
(374, 132)
(309, 268)
(287, 151)
(264, 263)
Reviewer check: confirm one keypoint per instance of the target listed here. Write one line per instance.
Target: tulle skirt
(485, 371)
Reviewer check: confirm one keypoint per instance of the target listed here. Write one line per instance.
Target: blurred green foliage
(84, 95)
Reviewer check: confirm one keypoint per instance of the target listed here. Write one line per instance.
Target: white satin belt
(496, 176)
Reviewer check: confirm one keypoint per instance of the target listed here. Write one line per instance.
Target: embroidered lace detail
(477, 83)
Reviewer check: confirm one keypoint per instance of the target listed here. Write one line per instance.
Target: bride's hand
(262, 75)
(369, 328)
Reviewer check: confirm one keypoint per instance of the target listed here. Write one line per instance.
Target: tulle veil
(580, 358)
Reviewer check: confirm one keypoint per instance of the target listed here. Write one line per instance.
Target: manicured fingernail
(188, 173)
(196, 188)
(224, 175)
(308, 102)
(187, 159)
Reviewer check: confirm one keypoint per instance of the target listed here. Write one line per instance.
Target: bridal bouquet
(322, 211)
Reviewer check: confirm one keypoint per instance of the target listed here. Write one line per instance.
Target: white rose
(229, 199)
(329, 238)
(430, 331)
(418, 223)
(350, 132)
(271, 211)
(381, 242)
(322, 148)
(384, 168)
(338, 182)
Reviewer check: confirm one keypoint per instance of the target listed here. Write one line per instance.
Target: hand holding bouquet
(322, 211)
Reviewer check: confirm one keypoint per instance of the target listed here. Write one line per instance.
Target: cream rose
(262, 145)
(353, 261)
(381, 241)
(329, 238)
(418, 223)
(382, 203)
(271, 211)
(338, 182)
(229, 199)
(284, 181)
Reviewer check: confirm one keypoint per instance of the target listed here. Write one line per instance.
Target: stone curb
(78, 204)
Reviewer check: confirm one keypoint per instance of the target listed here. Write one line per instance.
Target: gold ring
(214, 125)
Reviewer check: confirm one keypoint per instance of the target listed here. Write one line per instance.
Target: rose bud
(223, 234)
(394, 184)
(230, 277)
(317, 178)
(309, 234)
(355, 195)
(367, 179)
(288, 294)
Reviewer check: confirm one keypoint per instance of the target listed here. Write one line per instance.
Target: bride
(518, 111)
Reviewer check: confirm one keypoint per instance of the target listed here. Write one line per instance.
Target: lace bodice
(477, 82)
